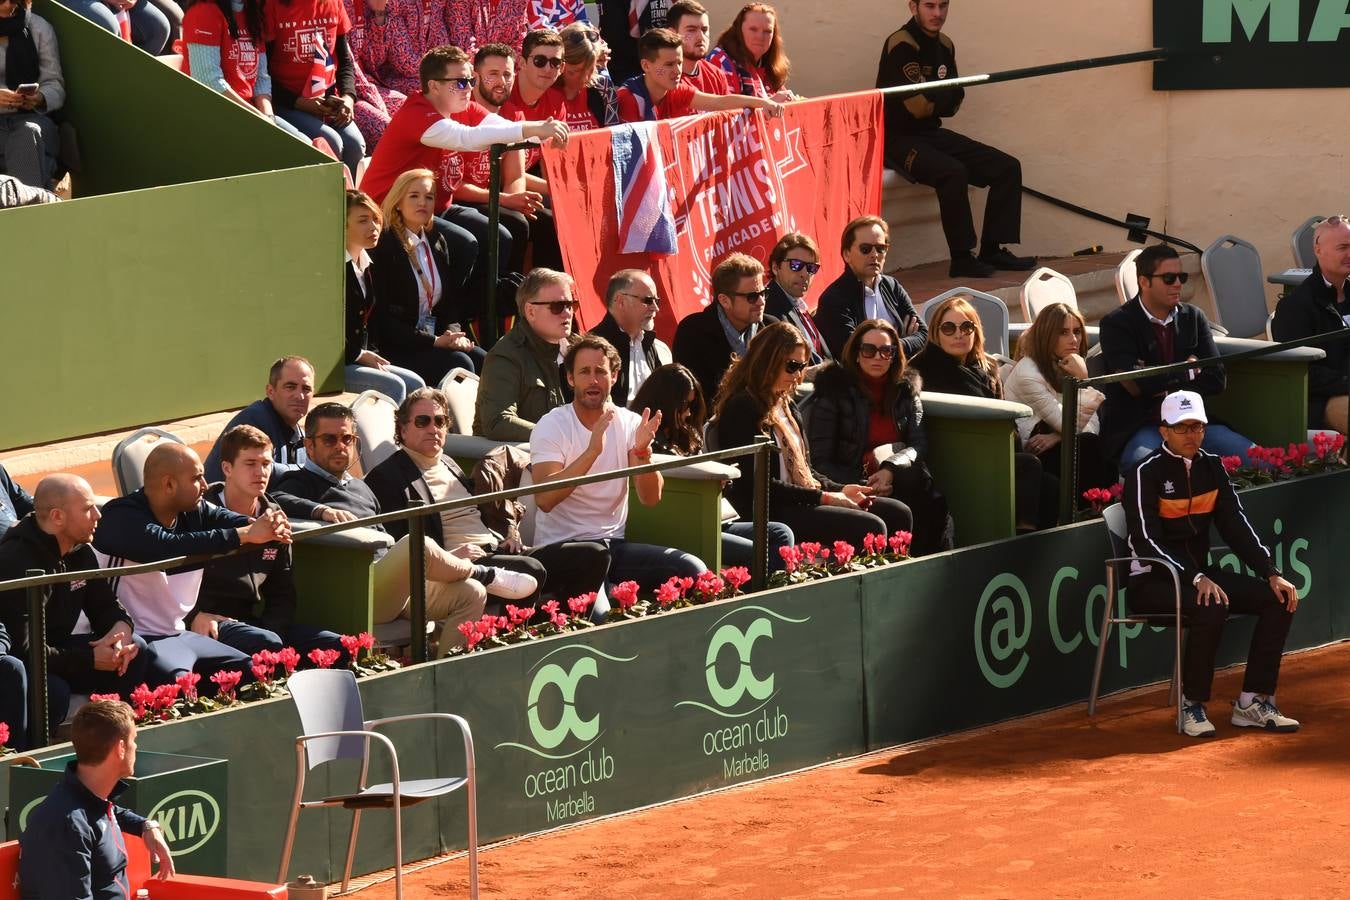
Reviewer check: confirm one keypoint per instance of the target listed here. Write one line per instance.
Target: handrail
(1071, 65)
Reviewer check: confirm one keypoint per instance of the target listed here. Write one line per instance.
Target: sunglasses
(869, 249)
(648, 300)
(885, 351)
(540, 61)
(794, 366)
(1172, 277)
(751, 296)
(797, 265)
(950, 328)
(332, 440)
(1192, 428)
(557, 307)
(460, 84)
(422, 421)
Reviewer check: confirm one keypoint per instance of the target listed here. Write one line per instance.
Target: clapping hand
(647, 430)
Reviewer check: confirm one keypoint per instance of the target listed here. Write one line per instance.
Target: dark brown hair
(1038, 341)
(665, 391)
(240, 438)
(852, 351)
(436, 60)
(592, 342)
(403, 415)
(757, 372)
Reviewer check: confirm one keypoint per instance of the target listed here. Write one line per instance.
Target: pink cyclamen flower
(187, 683)
(324, 659)
(736, 576)
(843, 552)
(625, 595)
(289, 658)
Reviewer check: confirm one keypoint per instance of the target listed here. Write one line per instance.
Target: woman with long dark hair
(750, 52)
(864, 422)
(755, 399)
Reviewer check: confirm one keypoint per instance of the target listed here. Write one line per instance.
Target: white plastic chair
(1127, 277)
(1236, 283)
(1301, 243)
(374, 414)
(1044, 287)
(329, 705)
(992, 311)
(128, 457)
(460, 387)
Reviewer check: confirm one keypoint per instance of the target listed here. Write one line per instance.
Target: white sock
(1246, 698)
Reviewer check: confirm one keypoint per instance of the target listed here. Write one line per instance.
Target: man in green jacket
(521, 379)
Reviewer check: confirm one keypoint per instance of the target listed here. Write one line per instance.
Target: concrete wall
(1200, 164)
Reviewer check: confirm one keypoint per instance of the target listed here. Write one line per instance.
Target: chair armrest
(360, 537)
(471, 446)
(958, 406)
(414, 717)
(710, 470)
(1227, 345)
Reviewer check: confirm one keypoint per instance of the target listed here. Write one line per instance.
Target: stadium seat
(1127, 279)
(1233, 275)
(128, 457)
(1044, 287)
(1301, 243)
(460, 387)
(993, 314)
(329, 705)
(374, 414)
(1114, 516)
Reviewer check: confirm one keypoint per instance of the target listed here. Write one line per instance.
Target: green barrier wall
(138, 303)
(587, 724)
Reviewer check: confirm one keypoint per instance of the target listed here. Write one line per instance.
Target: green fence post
(38, 736)
(417, 584)
(1068, 454)
(759, 568)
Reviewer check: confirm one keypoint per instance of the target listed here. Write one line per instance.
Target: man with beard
(689, 20)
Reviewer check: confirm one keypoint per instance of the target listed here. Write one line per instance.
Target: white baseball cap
(1183, 406)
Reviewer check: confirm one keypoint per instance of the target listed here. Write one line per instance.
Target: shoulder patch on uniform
(913, 72)
(901, 37)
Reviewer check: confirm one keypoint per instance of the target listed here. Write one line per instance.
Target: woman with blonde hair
(588, 94)
(756, 398)
(1049, 351)
(954, 362)
(417, 323)
(750, 52)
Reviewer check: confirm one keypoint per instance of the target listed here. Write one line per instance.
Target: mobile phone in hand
(31, 88)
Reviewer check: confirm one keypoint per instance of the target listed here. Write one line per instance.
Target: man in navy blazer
(865, 292)
(793, 263)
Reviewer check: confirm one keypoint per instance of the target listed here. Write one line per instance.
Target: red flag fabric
(736, 182)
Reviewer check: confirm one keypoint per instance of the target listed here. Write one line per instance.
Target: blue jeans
(1219, 440)
(345, 141)
(738, 544)
(149, 26)
(251, 638)
(649, 565)
(395, 383)
(172, 655)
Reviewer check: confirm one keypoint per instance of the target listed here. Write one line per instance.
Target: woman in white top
(417, 320)
(1051, 349)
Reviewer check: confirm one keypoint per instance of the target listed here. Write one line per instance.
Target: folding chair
(460, 387)
(128, 457)
(1127, 278)
(330, 714)
(1236, 283)
(1301, 243)
(1116, 532)
(374, 414)
(1044, 287)
(993, 314)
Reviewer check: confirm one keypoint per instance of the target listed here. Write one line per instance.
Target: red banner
(735, 182)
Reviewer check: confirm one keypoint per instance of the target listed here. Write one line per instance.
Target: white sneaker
(1194, 722)
(1263, 713)
(511, 585)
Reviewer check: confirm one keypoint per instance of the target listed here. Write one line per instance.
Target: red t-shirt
(454, 166)
(294, 30)
(707, 78)
(550, 105)
(401, 149)
(204, 24)
(676, 103)
(578, 112)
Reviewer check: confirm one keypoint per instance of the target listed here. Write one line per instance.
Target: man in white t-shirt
(591, 435)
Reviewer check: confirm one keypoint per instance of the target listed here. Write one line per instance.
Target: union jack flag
(646, 224)
(556, 14)
(322, 73)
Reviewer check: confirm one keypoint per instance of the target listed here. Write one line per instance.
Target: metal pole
(759, 564)
(38, 736)
(417, 584)
(1068, 451)
(489, 335)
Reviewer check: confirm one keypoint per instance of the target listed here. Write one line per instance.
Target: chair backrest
(993, 314)
(374, 414)
(1301, 243)
(1127, 277)
(460, 387)
(1237, 285)
(128, 457)
(1117, 530)
(1043, 287)
(327, 700)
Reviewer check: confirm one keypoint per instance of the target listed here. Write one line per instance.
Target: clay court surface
(1051, 806)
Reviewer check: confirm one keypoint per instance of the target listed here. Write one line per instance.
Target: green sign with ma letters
(1251, 44)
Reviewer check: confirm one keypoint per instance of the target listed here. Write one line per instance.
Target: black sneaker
(967, 266)
(1003, 259)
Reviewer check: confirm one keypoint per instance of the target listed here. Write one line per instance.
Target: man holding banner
(659, 92)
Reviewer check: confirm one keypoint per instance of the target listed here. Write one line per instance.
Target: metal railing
(35, 580)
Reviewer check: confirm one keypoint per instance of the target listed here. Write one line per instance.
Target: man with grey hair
(631, 304)
(1317, 306)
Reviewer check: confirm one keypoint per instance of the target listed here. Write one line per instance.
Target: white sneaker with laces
(1263, 713)
(511, 585)
(1194, 722)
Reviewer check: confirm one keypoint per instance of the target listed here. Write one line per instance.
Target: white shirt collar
(360, 263)
(1171, 316)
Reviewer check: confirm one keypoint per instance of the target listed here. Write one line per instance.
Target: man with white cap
(1171, 498)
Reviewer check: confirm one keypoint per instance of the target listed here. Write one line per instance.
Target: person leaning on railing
(660, 92)
(689, 19)
(751, 55)
(756, 399)
(864, 423)
(1319, 305)
(673, 391)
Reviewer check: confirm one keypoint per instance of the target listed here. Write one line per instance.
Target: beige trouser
(452, 596)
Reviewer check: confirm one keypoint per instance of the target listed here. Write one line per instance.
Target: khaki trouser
(452, 596)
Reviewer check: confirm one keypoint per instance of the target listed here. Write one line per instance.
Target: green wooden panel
(972, 465)
(334, 587)
(1266, 400)
(689, 518)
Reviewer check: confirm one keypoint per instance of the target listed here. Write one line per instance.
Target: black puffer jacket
(837, 415)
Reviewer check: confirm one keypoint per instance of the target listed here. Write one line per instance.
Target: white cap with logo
(1183, 406)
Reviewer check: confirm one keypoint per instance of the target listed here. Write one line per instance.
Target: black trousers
(538, 233)
(574, 568)
(827, 524)
(950, 163)
(1035, 492)
(1094, 469)
(1246, 596)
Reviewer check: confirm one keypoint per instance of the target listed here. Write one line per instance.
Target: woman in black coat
(415, 320)
(755, 400)
(864, 421)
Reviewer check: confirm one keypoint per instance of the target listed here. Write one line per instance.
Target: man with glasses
(631, 304)
(706, 340)
(1319, 305)
(794, 262)
(660, 92)
(521, 378)
(864, 291)
(534, 95)
(1171, 498)
(1156, 329)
